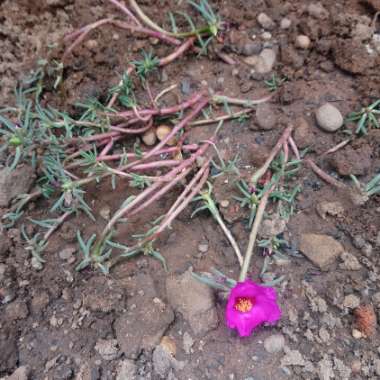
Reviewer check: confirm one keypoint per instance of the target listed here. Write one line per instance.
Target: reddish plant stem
(286, 151)
(226, 58)
(189, 186)
(82, 35)
(156, 164)
(182, 124)
(283, 139)
(107, 148)
(337, 147)
(126, 11)
(161, 192)
(116, 94)
(182, 206)
(178, 52)
(163, 111)
(115, 157)
(326, 177)
(59, 222)
(294, 148)
(131, 131)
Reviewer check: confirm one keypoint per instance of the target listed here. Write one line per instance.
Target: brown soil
(51, 320)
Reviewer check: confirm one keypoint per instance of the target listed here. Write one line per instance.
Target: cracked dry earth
(141, 322)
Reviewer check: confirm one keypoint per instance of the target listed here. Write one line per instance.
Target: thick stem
(161, 112)
(337, 147)
(253, 235)
(259, 173)
(326, 177)
(178, 52)
(126, 11)
(230, 238)
(160, 193)
(147, 21)
(220, 118)
(114, 157)
(59, 222)
(222, 99)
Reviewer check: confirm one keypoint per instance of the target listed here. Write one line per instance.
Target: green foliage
(147, 65)
(366, 118)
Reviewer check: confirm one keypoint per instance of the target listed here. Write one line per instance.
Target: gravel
(265, 21)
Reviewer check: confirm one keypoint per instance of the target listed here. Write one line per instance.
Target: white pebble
(265, 21)
(329, 117)
(303, 42)
(285, 23)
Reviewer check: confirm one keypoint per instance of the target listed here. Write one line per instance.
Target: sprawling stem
(58, 223)
(253, 235)
(126, 11)
(259, 173)
(326, 177)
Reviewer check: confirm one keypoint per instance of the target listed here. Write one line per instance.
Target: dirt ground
(56, 323)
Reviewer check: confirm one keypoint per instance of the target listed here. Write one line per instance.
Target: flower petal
(265, 308)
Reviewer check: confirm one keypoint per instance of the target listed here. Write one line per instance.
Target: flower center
(243, 304)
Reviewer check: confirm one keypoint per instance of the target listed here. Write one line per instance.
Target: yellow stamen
(243, 304)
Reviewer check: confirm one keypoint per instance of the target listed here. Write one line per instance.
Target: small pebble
(149, 138)
(266, 36)
(357, 334)
(224, 203)
(67, 253)
(203, 247)
(351, 301)
(303, 42)
(266, 116)
(285, 23)
(105, 212)
(265, 21)
(162, 131)
(329, 118)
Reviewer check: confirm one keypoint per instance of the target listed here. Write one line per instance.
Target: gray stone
(318, 11)
(15, 182)
(145, 321)
(325, 370)
(329, 118)
(292, 358)
(188, 342)
(194, 300)
(266, 61)
(163, 362)
(252, 48)
(266, 117)
(321, 250)
(376, 366)
(350, 262)
(351, 301)
(21, 373)
(126, 370)
(67, 253)
(17, 310)
(265, 21)
(108, 349)
(274, 343)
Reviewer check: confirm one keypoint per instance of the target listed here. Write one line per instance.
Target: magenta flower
(250, 305)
